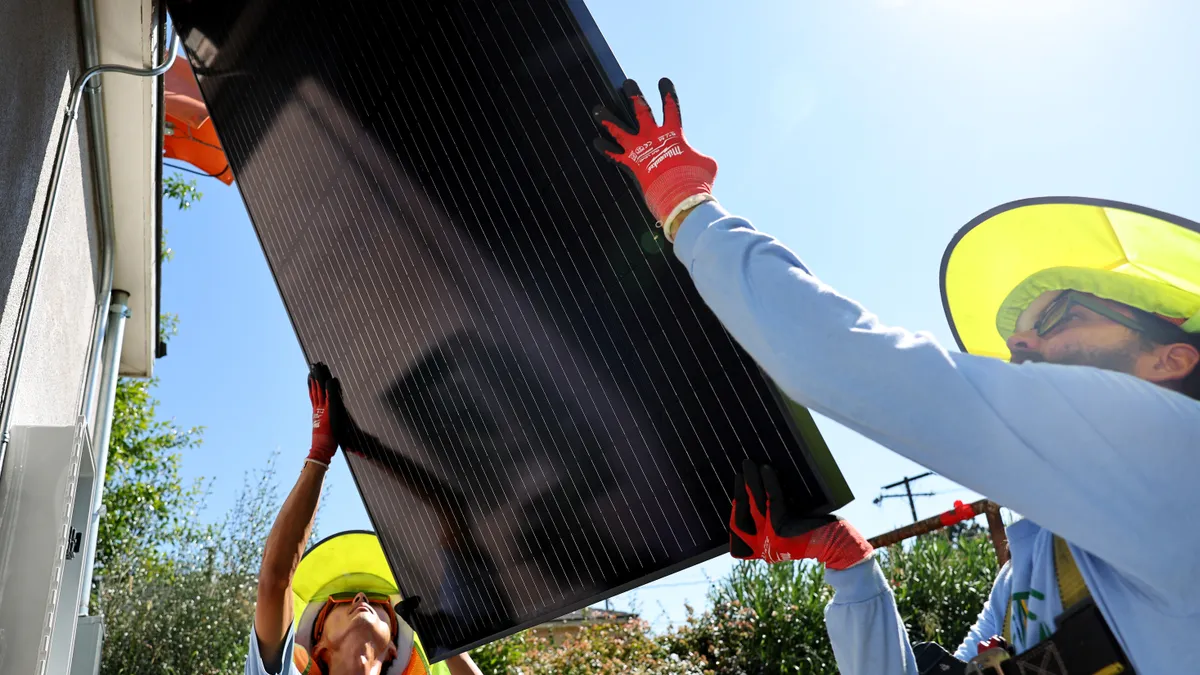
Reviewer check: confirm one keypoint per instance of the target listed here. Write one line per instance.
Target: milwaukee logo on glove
(673, 151)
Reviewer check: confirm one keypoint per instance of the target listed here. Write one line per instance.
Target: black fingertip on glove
(742, 519)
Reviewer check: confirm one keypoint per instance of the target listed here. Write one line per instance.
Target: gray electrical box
(45, 494)
(89, 635)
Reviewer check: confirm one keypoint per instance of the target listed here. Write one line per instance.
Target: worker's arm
(864, 626)
(991, 618)
(273, 613)
(462, 664)
(868, 634)
(1105, 460)
(285, 545)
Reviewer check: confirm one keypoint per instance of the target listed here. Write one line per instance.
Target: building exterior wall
(39, 47)
(40, 57)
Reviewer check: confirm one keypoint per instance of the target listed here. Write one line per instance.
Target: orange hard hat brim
(191, 136)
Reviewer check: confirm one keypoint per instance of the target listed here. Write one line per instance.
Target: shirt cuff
(693, 226)
(254, 660)
(862, 582)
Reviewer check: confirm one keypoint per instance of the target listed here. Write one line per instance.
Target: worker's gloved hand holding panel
(673, 177)
(324, 392)
(332, 427)
(760, 527)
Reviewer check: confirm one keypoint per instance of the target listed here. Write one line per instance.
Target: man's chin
(369, 622)
(359, 618)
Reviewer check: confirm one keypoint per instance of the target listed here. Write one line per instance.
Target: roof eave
(128, 34)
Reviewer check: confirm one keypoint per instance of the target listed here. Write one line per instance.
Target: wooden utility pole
(907, 483)
(996, 527)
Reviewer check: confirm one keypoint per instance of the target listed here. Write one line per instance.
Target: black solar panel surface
(549, 413)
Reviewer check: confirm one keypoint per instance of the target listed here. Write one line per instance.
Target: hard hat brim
(1001, 261)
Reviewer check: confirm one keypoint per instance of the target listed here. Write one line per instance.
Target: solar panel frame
(235, 48)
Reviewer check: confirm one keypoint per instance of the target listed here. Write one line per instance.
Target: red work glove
(994, 642)
(325, 393)
(672, 176)
(760, 528)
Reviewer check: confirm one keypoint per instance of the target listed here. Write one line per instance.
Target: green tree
(597, 649)
(145, 501)
(502, 656)
(940, 585)
(184, 193)
(762, 618)
(771, 618)
(186, 605)
(177, 594)
(146, 504)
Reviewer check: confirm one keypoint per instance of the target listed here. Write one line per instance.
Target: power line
(184, 168)
(907, 482)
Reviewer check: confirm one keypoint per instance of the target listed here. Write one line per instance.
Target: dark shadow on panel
(546, 443)
(458, 550)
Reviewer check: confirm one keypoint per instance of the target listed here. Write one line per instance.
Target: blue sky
(863, 134)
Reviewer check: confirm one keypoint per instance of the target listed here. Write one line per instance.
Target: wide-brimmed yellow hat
(353, 561)
(1002, 261)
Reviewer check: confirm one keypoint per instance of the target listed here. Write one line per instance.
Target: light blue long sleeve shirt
(1109, 462)
(254, 660)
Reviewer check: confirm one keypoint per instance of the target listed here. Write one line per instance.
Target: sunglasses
(346, 597)
(1059, 310)
(349, 596)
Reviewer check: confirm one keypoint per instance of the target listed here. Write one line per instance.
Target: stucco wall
(40, 51)
(39, 58)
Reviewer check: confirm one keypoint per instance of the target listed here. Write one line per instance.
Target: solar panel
(550, 413)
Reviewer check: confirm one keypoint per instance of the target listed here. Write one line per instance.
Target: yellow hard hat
(353, 561)
(1002, 261)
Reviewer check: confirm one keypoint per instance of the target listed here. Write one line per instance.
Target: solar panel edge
(598, 48)
(558, 612)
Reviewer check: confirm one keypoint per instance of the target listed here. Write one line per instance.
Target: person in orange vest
(335, 609)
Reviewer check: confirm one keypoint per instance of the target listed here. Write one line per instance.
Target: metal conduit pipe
(39, 246)
(105, 242)
(110, 356)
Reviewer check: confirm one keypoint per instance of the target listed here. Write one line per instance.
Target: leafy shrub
(598, 649)
(763, 618)
(940, 587)
(183, 601)
(770, 619)
(502, 656)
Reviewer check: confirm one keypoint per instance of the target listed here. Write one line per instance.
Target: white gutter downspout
(110, 357)
(105, 243)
